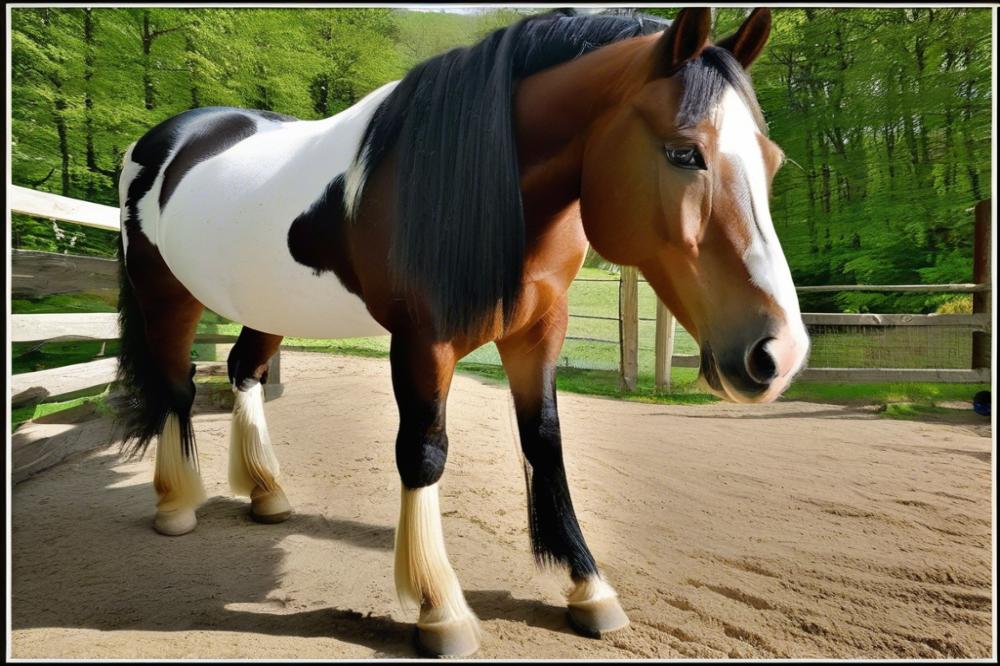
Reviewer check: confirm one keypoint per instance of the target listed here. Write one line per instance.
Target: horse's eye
(688, 157)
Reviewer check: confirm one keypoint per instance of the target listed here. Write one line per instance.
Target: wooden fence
(37, 274)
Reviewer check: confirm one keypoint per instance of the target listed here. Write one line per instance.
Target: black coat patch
(205, 137)
(316, 238)
(198, 126)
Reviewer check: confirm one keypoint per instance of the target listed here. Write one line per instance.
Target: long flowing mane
(459, 231)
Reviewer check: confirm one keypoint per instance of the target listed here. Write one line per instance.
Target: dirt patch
(787, 530)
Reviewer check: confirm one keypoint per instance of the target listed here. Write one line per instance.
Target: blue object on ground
(981, 402)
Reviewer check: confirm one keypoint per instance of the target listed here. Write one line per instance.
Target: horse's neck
(553, 111)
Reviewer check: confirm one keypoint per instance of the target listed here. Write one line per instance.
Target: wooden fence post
(664, 345)
(981, 274)
(274, 388)
(628, 326)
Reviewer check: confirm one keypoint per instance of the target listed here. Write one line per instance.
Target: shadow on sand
(112, 572)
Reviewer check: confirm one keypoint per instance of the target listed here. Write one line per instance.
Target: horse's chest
(553, 259)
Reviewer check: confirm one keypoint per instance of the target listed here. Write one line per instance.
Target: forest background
(885, 115)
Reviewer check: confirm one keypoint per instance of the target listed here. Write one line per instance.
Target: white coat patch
(224, 231)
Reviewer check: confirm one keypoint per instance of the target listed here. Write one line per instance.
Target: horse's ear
(683, 40)
(747, 42)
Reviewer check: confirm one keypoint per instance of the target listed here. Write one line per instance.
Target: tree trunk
(149, 94)
(60, 118)
(970, 152)
(192, 66)
(89, 58)
(889, 133)
(949, 132)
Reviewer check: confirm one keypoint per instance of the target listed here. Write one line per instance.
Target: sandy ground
(791, 530)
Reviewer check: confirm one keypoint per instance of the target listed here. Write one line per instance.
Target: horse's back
(217, 193)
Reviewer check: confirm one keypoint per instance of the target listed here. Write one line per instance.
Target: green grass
(884, 393)
(66, 303)
(22, 414)
(684, 391)
(908, 411)
(30, 356)
(606, 384)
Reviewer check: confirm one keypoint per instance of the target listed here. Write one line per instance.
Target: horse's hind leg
(529, 359)
(158, 318)
(253, 467)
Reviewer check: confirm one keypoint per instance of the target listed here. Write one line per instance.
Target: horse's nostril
(760, 363)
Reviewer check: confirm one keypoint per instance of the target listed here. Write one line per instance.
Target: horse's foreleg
(421, 376)
(253, 467)
(529, 359)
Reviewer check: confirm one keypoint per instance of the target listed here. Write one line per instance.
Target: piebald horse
(451, 209)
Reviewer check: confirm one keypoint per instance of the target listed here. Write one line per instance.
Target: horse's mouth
(709, 371)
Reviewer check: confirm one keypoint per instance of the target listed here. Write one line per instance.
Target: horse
(450, 209)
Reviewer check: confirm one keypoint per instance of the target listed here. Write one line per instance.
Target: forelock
(706, 78)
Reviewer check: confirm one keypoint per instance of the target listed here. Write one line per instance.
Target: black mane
(459, 232)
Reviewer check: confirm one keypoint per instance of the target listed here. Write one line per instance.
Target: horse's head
(676, 181)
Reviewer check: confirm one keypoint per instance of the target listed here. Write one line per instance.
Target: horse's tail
(144, 397)
(140, 402)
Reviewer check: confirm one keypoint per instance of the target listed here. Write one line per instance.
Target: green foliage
(884, 114)
(956, 305)
(61, 237)
(888, 113)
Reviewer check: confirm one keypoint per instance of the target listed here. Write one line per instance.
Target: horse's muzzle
(755, 372)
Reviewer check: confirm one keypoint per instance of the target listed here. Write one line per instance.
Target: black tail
(144, 397)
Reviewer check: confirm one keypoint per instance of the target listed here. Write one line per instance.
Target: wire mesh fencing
(886, 346)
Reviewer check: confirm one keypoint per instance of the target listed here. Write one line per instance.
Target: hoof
(455, 638)
(597, 617)
(270, 508)
(175, 522)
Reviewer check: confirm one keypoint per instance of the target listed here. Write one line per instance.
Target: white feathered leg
(253, 467)
(177, 481)
(425, 579)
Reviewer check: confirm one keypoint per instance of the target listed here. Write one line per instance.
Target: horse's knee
(421, 463)
(248, 360)
(245, 373)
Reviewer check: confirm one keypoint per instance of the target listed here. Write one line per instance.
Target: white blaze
(764, 259)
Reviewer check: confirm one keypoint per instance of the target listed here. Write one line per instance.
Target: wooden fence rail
(55, 207)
